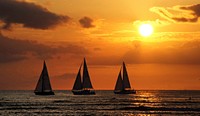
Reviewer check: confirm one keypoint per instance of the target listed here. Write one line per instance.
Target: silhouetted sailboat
(44, 86)
(83, 87)
(123, 85)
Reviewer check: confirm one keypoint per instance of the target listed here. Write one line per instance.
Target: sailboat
(83, 86)
(123, 85)
(44, 86)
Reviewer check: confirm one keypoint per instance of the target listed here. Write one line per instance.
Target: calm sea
(103, 103)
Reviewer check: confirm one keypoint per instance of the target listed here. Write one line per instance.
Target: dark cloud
(97, 49)
(86, 22)
(182, 19)
(66, 76)
(28, 14)
(14, 50)
(189, 13)
(195, 8)
(66, 79)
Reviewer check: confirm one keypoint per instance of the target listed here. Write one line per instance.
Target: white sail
(78, 84)
(86, 77)
(43, 84)
(119, 83)
(126, 82)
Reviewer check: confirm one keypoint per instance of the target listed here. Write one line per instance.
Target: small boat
(83, 86)
(44, 86)
(123, 85)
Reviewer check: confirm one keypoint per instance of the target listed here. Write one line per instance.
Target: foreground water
(103, 103)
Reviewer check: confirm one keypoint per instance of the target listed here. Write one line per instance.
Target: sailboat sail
(86, 77)
(123, 85)
(39, 87)
(126, 82)
(83, 86)
(43, 84)
(119, 83)
(78, 84)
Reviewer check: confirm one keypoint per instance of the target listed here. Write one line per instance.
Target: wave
(145, 108)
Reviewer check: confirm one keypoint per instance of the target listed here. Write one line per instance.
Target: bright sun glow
(146, 30)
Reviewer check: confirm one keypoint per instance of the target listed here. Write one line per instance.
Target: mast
(86, 77)
(78, 84)
(119, 83)
(126, 82)
(42, 78)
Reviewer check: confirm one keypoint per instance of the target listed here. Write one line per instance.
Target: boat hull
(44, 93)
(83, 92)
(125, 92)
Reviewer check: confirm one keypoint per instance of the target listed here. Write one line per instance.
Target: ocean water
(103, 103)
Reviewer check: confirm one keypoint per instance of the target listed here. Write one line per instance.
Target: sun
(145, 30)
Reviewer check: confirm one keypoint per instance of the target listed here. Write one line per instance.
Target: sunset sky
(105, 32)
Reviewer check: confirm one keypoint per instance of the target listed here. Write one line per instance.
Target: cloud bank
(12, 50)
(28, 14)
(173, 52)
(157, 52)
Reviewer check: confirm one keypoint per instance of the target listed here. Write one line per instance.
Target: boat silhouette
(43, 86)
(83, 85)
(123, 85)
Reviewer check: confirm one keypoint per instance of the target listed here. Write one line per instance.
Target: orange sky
(63, 32)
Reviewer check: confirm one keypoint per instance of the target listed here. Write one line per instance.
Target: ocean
(144, 103)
